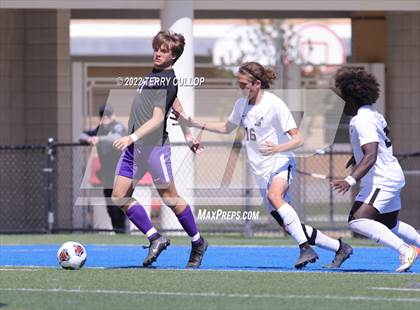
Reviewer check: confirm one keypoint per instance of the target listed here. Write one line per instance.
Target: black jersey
(159, 89)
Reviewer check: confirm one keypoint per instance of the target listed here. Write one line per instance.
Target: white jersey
(269, 120)
(369, 126)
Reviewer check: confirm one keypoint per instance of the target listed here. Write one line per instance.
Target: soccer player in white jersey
(375, 211)
(270, 136)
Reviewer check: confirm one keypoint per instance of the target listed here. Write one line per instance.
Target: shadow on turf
(245, 268)
(250, 268)
(351, 270)
(294, 269)
(141, 267)
(363, 270)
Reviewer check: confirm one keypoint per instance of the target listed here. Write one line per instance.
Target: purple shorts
(136, 160)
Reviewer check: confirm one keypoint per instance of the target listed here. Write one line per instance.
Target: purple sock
(139, 217)
(186, 218)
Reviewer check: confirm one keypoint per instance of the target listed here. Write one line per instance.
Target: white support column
(79, 213)
(177, 16)
(77, 99)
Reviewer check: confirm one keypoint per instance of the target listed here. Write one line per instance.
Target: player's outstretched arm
(179, 110)
(217, 127)
(193, 142)
(296, 140)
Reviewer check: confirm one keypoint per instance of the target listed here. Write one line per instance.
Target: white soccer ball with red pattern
(71, 255)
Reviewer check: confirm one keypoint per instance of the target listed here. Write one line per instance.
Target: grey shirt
(108, 156)
(158, 90)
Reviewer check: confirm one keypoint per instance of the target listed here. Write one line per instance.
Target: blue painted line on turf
(265, 259)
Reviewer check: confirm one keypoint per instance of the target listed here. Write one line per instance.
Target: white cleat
(407, 260)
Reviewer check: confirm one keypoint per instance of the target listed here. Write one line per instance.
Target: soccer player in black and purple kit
(147, 148)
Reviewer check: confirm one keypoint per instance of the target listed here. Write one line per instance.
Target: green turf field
(43, 288)
(167, 289)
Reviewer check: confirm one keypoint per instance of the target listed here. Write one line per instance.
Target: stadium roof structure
(266, 5)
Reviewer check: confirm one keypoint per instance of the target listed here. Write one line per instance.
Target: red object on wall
(146, 180)
(96, 166)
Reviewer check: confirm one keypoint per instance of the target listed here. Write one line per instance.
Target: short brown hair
(175, 42)
(256, 71)
(357, 85)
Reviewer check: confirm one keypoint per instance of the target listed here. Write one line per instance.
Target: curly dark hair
(357, 85)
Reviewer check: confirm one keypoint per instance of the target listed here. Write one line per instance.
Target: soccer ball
(71, 255)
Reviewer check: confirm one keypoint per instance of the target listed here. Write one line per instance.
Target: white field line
(213, 294)
(396, 289)
(19, 269)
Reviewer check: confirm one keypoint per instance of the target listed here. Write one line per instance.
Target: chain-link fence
(56, 188)
(23, 188)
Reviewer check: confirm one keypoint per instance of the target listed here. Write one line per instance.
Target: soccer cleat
(407, 260)
(156, 247)
(343, 253)
(307, 255)
(196, 255)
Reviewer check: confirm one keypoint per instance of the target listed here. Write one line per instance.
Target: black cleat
(307, 255)
(343, 253)
(196, 255)
(156, 247)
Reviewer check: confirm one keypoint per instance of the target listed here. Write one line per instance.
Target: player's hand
(122, 143)
(351, 162)
(268, 148)
(194, 144)
(340, 186)
(182, 120)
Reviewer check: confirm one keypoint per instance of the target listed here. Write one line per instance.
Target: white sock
(379, 233)
(323, 241)
(407, 233)
(195, 237)
(151, 231)
(292, 222)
